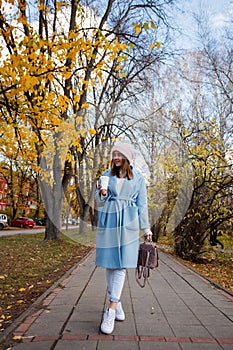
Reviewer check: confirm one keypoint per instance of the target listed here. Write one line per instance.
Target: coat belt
(115, 198)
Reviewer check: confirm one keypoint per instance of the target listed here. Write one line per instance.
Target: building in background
(3, 193)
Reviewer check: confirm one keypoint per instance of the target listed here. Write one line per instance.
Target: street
(10, 231)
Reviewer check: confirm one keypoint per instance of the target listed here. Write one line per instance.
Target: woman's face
(117, 158)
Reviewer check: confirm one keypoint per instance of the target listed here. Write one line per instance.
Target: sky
(219, 12)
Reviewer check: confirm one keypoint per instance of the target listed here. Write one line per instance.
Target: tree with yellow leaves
(43, 89)
(52, 55)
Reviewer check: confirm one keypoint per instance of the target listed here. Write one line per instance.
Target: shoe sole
(105, 332)
(119, 320)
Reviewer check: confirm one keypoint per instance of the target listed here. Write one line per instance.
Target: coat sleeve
(142, 205)
(99, 200)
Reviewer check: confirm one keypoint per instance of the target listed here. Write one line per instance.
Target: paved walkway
(176, 310)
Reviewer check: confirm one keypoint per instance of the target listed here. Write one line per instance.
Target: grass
(30, 266)
(215, 264)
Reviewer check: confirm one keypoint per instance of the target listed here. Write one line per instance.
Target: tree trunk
(53, 197)
(52, 231)
(190, 234)
(159, 226)
(94, 219)
(84, 214)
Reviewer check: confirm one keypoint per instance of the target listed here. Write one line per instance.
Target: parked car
(40, 221)
(3, 221)
(23, 222)
(70, 221)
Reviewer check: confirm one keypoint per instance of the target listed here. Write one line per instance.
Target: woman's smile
(117, 158)
(118, 162)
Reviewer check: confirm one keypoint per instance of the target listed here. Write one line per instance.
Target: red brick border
(176, 339)
(100, 337)
(225, 340)
(203, 340)
(40, 338)
(74, 337)
(126, 337)
(151, 338)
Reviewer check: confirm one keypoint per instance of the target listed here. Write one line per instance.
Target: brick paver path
(176, 310)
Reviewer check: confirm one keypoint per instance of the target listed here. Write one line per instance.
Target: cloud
(222, 16)
(219, 20)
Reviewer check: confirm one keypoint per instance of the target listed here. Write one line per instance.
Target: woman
(122, 212)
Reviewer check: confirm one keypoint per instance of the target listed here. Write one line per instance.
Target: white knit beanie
(126, 149)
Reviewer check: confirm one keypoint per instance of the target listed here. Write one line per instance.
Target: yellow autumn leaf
(17, 337)
(123, 75)
(2, 277)
(137, 28)
(118, 68)
(158, 45)
(152, 46)
(85, 105)
(59, 5)
(2, 317)
(122, 46)
(9, 307)
(76, 99)
(68, 75)
(20, 301)
(22, 289)
(50, 76)
(120, 58)
(92, 132)
(153, 25)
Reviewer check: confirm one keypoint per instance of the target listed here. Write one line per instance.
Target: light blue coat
(120, 218)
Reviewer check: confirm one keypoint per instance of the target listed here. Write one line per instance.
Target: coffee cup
(104, 180)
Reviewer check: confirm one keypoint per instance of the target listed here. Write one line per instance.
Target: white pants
(115, 281)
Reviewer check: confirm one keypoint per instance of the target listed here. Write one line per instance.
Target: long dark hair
(124, 171)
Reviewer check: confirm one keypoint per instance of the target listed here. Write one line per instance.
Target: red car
(23, 222)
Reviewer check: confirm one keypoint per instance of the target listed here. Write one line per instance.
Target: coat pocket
(131, 221)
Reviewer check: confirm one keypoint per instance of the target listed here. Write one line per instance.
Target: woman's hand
(148, 235)
(148, 238)
(103, 192)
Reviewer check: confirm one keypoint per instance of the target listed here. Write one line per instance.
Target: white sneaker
(120, 315)
(107, 326)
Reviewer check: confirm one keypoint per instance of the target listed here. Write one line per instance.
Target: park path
(178, 309)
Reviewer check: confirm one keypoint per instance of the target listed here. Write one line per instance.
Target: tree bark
(53, 197)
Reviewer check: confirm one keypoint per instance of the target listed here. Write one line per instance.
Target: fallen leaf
(17, 337)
